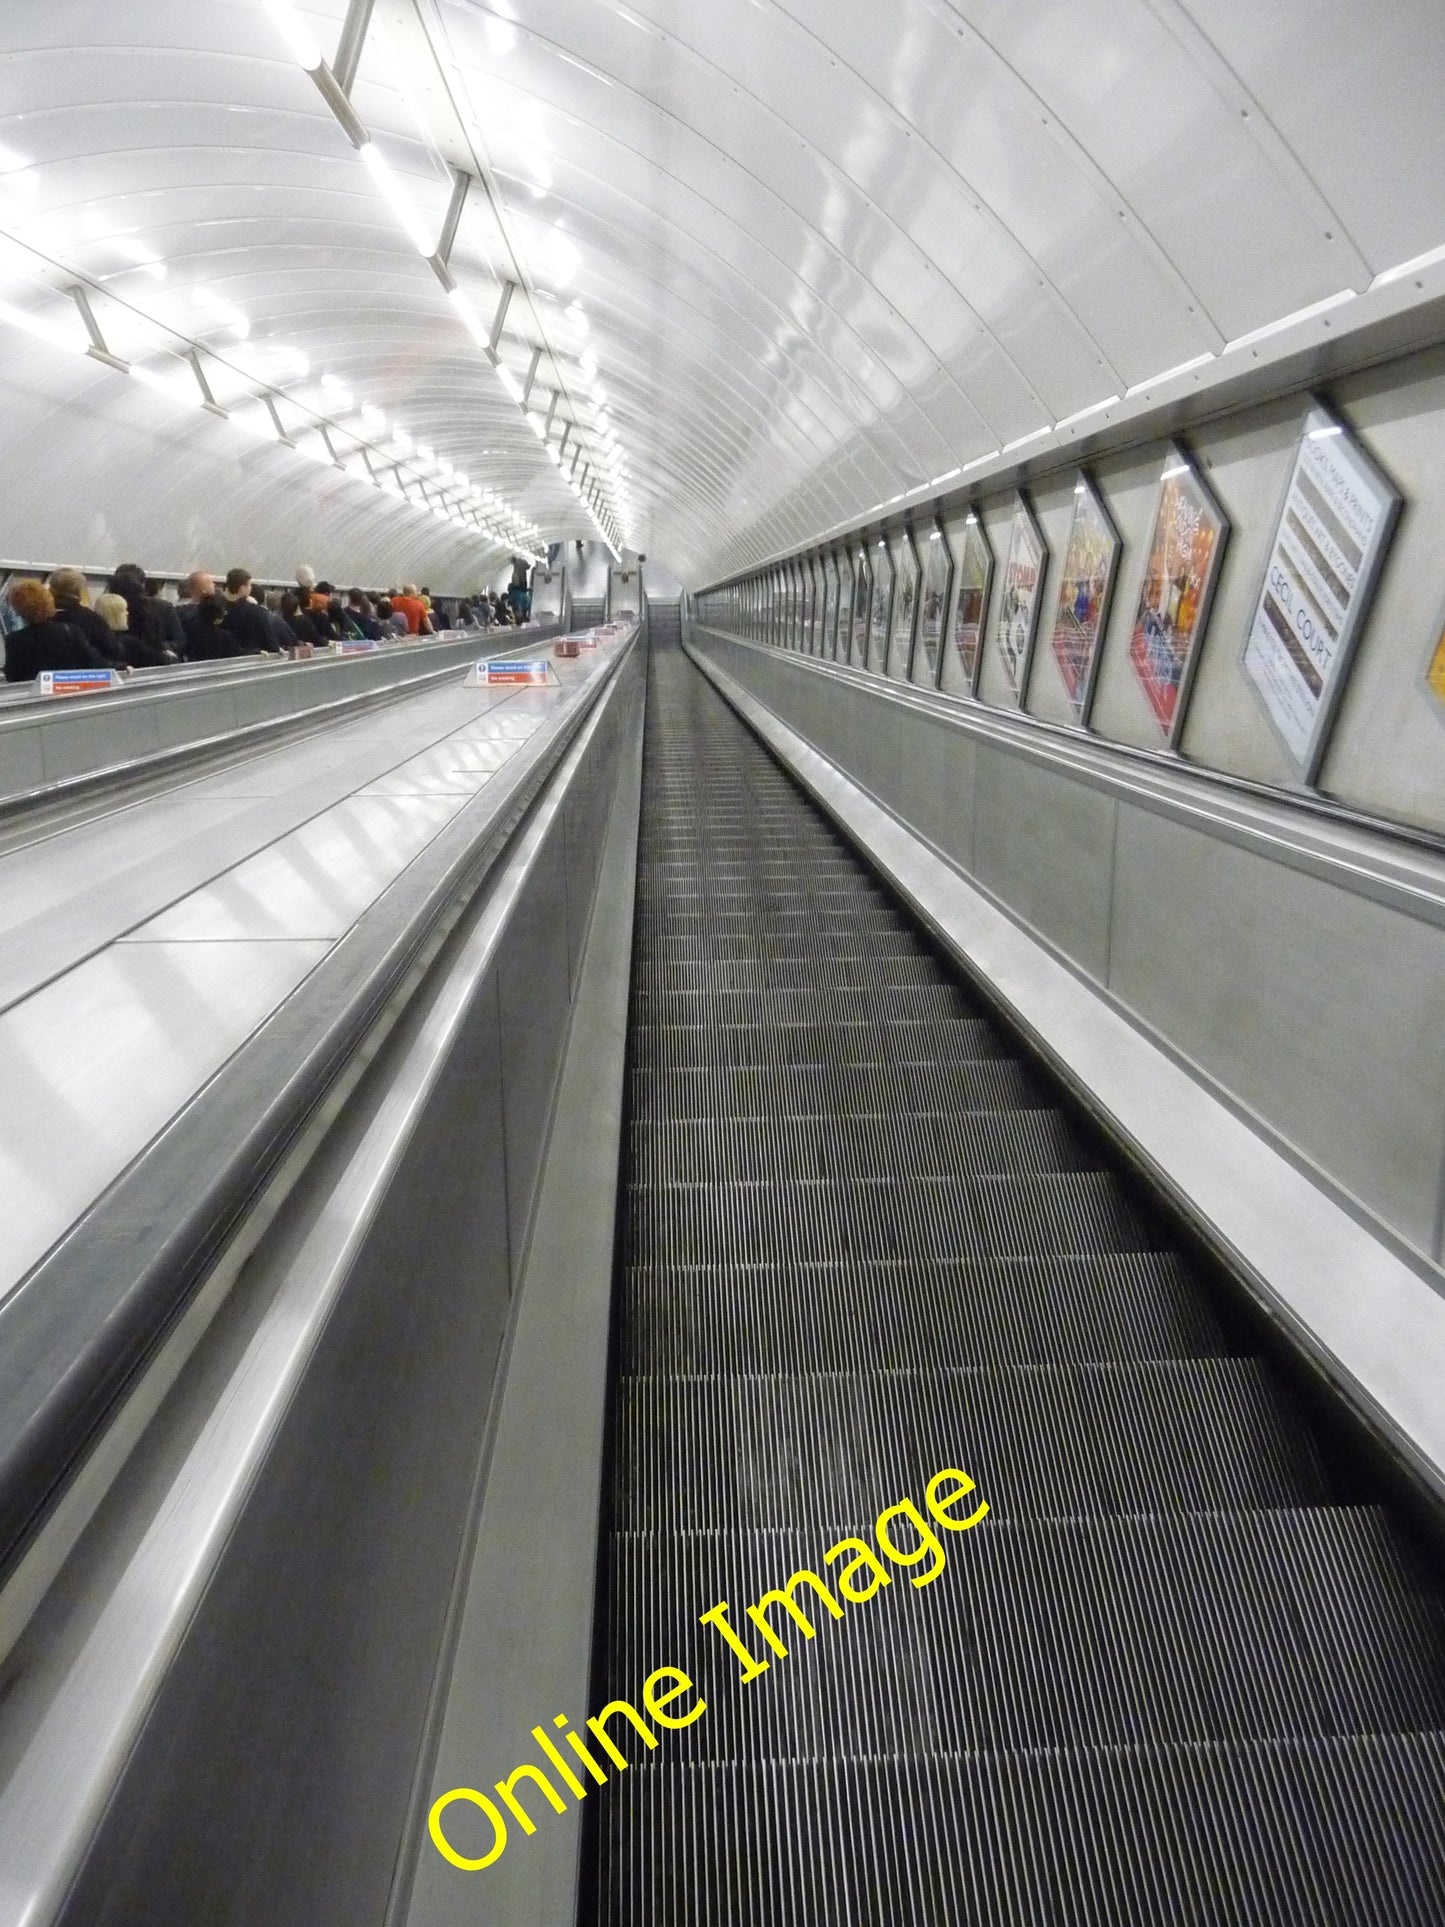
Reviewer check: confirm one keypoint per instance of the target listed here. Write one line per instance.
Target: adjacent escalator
(1175, 1675)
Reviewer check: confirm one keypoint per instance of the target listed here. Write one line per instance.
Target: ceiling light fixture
(297, 35)
(396, 196)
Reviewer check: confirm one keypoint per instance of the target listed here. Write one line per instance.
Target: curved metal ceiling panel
(775, 263)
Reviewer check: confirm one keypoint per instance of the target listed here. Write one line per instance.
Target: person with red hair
(44, 642)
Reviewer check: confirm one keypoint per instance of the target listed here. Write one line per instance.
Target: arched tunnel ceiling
(785, 259)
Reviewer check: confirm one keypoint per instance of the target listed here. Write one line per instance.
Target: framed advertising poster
(1181, 567)
(1091, 559)
(828, 568)
(1023, 581)
(905, 605)
(974, 561)
(877, 657)
(862, 604)
(1328, 545)
(1435, 674)
(843, 641)
(842, 595)
(933, 608)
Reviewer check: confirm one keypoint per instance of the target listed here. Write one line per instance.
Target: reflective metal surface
(1373, 1319)
(143, 948)
(92, 1066)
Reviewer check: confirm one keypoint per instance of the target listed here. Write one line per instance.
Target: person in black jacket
(197, 588)
(168, 618)
(246, 624)
(68, 587)
(297, 620)
(359, 612)
(44, 643)
(144, 643)
(206, 636)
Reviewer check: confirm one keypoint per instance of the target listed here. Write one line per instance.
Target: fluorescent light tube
(298, 36)
(396, 194)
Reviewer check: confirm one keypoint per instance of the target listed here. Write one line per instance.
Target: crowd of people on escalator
(54, 624)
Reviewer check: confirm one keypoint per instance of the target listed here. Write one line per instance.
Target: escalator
(1180, 1672)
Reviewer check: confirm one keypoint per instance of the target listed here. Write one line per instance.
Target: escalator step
(1345, 1833)
(883, 1040)
(822, 1005)
(989, 1312)
(1083, 1632)
(753, 974)
(927, 1219)
(779, 1089)
(1062, 1441)
(669, 921)
(889, 1145)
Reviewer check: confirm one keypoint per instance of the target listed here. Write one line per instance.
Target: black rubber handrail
(83, 1321)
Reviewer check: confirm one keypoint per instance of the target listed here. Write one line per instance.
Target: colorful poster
(1023, 576)
(1435, 675)
(936, 571)
(1090, 559)
(970, 607)
(1179, 574)
(1337, 516)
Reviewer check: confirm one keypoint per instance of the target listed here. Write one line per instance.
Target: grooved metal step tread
(882, 1041)
(759, 1451)
(721, 1089)
(793, 922)
(680, 952)
(991, 1311)
(885, 1146)
(1319, 1833)
(830, 1004)
(760, 976)
(1089, 1631)
(935, 1219)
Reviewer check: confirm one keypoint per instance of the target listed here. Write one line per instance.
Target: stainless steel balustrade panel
(1296, 961)
(96, 1064)
(314, 882)
(533, 985)
(68, 893)
(222, 1714)
(112, 1046)
(936, 790)
(1045, 846)
(1292, 972)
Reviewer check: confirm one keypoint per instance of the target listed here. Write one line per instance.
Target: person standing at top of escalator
(519, 592)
